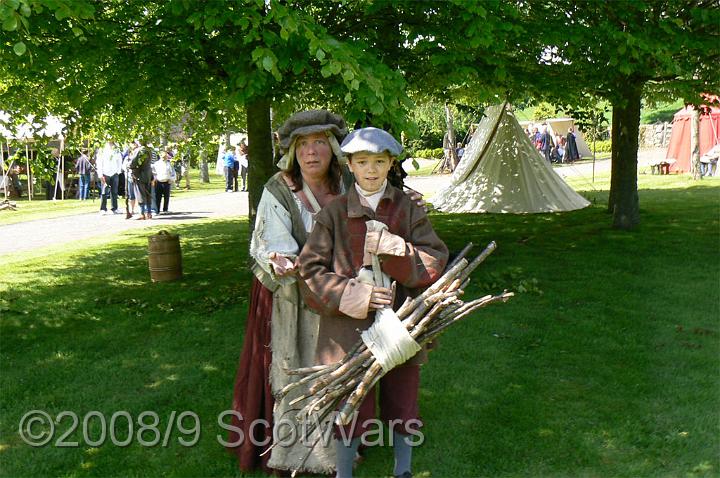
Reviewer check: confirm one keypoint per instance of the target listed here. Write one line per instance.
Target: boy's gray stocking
(344, 457)
(403, 453)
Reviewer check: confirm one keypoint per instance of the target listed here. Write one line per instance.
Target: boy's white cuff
(383, 242)
(355, 300)
(391, 244)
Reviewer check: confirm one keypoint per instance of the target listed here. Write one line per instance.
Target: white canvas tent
(235, 139)
(560, 126)
(30, 133)
(502, 172)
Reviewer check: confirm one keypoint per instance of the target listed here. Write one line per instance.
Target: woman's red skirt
(252, 397)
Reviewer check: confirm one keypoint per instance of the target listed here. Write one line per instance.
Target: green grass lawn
(605, 363)
(40, 208)
(425, 167)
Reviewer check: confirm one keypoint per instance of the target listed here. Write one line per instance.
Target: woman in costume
(281, 332)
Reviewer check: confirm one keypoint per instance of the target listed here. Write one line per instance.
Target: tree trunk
(204, 173)
(624, 203)
(695, 145)
(451, 137)
(260, 158)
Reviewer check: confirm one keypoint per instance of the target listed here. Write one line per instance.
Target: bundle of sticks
(426, 316)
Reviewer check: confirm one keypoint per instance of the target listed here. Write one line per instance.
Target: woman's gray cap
(371, 140)
(308, 122)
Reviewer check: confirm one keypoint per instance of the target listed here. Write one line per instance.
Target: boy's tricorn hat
(371, 140)
(308, 122)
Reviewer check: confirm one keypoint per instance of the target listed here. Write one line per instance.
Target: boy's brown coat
(333, 255)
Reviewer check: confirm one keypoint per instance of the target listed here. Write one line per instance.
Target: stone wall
(655, 135)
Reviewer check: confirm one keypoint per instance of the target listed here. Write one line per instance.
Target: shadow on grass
(91, 332)
(605, 366)
(602, 367)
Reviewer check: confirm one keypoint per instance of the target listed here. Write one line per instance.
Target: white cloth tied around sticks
(389, 341)
(387, 338)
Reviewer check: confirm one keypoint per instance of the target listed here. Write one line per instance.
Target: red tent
(679, 148)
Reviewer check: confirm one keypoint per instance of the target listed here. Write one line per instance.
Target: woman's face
(313, 154)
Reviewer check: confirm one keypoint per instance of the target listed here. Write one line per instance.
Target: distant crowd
(555, 148)
(142, 174)
(235, 161)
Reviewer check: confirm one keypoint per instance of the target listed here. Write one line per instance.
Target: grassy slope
(40, 208)
(608, 366)
(648, 114)
(425, 167)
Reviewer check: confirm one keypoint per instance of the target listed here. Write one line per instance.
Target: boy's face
(370, 169)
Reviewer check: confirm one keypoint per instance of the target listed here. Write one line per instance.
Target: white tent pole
(62, 169)
(596, 129)
(32, 160)
(714, 129)
(27, 170)
(2, 164)
(57, 182)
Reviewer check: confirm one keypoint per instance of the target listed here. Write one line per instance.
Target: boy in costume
(335, 266)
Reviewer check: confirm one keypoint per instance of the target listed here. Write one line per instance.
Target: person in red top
(334, 270)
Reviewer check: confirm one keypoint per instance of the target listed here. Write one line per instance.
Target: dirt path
(31, 235)
(429, 185)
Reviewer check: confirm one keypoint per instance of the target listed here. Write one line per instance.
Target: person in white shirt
(709, 160)
(163, 176)
(129, 185)
(243, 163)
(109, 166)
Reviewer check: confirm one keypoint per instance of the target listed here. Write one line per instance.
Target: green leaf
(13, 4)
(10, 24)
(177, 8)
(320, 54)
(325, 71)
(62, 13)
(268, 63)
(276, 74)
(77, 31)
(335, 67)
(19, 48)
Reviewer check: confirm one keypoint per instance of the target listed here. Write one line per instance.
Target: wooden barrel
(164, 257)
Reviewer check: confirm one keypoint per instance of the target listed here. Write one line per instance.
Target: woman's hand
(415, 197)
(282, 266)
(380, 298)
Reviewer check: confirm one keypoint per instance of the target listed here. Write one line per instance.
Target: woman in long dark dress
(280, 332)
(571, 149)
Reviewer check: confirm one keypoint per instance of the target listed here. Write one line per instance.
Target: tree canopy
(139, 65)
(210, 56)
(575, 54)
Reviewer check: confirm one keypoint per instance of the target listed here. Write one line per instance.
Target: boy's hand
(282, 266)
(380, 297)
